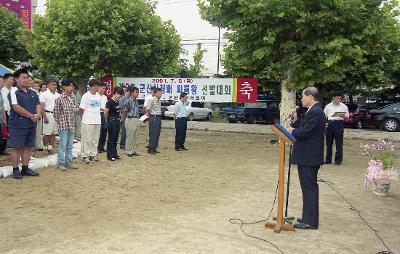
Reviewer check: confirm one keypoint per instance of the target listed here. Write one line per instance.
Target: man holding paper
(335, 112)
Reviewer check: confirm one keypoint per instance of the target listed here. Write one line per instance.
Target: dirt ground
(181, 202)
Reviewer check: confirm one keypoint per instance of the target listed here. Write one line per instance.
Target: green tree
(197, 67)
(122, 37)
(12, 39)
(307, 42)
(192, 70)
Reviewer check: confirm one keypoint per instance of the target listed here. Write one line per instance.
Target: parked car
(359, 116)
(380, 103)
(234, 114)
(224, 112)
(387, 118)
(164, 105)
(263, 111)
(195, 110)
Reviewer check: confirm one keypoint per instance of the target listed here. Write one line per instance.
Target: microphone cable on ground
(358, 212)
(240, 222)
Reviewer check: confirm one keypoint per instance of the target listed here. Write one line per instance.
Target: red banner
(247, 90)
(23, 8)
(109, 80)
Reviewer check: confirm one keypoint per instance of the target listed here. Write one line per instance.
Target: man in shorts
(47, 99)
(24, 113)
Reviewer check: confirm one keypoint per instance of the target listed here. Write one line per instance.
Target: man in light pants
(39, 123)
(64, 114)
(90, 130)
(148, 98)
(132, 122)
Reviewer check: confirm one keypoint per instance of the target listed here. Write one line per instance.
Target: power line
(210, 39)
(177, 2)
(216, 45)
(205, 44)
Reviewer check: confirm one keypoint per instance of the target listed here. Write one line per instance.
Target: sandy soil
(180, 202)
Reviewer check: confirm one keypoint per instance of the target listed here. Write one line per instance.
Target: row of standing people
(103, 119)
(63, 114)
(45, 126)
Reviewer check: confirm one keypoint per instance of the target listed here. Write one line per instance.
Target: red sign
(247, 90)
(23, 8)
(109, 80)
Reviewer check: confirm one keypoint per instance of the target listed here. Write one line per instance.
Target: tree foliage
(122, 37)
(12, 39)
(327, 42)
(193, 70)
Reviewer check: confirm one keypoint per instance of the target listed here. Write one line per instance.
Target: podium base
(288, 220)
(277, 227)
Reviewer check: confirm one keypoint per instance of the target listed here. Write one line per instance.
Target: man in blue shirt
(25, 112)
(180, 117)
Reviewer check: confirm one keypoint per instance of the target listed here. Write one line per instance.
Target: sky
(185, 16)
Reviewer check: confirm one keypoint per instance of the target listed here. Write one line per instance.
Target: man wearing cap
(24, 113)
(64, 114)
(335, 112)
(47, 100)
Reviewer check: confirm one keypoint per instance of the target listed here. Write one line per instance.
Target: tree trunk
(288, 101)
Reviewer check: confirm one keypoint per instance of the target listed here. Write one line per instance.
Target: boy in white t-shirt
(91, 121)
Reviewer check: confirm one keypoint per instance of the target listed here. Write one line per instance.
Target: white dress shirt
(331, 109)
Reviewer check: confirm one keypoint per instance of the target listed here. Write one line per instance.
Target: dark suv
(359, 117)
(387, 118)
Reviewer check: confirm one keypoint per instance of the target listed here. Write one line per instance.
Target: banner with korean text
(23, 9)
(109, 81)
(242, 90)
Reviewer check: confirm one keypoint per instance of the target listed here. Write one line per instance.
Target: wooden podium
(284, 138)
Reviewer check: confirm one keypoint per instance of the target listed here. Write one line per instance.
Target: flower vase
(382, 189)
(379, 176)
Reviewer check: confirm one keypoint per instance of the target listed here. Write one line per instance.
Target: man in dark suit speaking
(308, 155)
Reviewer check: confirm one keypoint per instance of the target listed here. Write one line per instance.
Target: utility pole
(219, 44)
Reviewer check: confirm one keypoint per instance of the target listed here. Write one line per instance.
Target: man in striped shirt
(64, 114)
